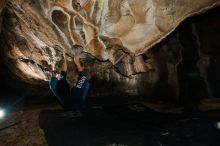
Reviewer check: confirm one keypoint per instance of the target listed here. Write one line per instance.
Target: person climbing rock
(70, 98)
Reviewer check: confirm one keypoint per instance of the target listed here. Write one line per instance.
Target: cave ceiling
(35, 33)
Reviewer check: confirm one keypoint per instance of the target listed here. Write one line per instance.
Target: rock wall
(118, 37)
(2, 6)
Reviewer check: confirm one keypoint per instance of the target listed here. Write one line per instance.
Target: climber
(70, 98)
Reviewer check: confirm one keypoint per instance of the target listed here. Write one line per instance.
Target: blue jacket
(77, 94)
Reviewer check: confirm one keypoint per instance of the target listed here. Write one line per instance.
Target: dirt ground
(22, 128)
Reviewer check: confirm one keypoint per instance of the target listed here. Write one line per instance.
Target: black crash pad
(126, 125)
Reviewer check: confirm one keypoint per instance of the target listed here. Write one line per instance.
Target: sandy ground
(22, 128)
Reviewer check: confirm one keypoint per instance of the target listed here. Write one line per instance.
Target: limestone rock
(138, 24)
(2, 6)
(118, 33)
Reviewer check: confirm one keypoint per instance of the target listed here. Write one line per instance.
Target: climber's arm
(76, 60)
(64, 65)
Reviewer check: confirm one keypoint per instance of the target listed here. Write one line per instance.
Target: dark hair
(63, 88)
(77, 46)
(77, 49)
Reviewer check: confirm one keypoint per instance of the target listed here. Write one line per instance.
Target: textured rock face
(116, 34)
(2, 6)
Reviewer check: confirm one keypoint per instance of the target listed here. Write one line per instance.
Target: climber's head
(77, 49)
